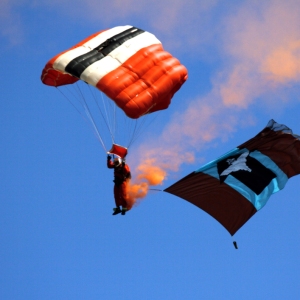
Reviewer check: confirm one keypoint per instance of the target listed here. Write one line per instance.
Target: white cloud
(262, 44)
(10, 22)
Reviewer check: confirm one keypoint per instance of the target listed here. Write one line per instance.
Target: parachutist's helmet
(117, 161)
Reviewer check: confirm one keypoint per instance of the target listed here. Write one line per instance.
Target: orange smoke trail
(154, 169)
(148, 174)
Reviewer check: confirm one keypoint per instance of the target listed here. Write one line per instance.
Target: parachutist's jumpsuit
(122, 175)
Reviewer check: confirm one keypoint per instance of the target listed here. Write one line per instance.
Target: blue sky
(58, 238)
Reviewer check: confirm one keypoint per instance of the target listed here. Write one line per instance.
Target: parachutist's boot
(124, 209)
(117, 210)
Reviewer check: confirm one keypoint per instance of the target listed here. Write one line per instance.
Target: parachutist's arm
(110, 164)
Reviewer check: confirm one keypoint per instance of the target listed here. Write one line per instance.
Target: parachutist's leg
(124, 197)
(117, 210)
(124, 209)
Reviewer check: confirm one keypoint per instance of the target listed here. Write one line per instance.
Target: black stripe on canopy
(77, 66)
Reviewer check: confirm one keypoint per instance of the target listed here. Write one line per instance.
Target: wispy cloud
(262, 44)
(10, 22)
(178, 23)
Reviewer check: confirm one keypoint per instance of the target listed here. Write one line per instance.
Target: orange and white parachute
(127, 64)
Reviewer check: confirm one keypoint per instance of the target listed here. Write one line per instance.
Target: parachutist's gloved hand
(108, 157)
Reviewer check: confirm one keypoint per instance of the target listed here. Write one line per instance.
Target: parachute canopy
(128, 64)
(235, 186)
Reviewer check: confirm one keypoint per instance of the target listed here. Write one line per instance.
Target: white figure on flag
(237, 164)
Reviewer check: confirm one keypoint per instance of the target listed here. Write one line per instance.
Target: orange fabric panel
(55, 78)
(129, 72)
(146, 82)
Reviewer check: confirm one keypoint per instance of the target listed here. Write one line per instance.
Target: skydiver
(121, 177)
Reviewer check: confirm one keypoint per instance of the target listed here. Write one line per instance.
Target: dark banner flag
(235, 186)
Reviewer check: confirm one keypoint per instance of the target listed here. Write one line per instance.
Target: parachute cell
(235, 186)
(128, 64)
